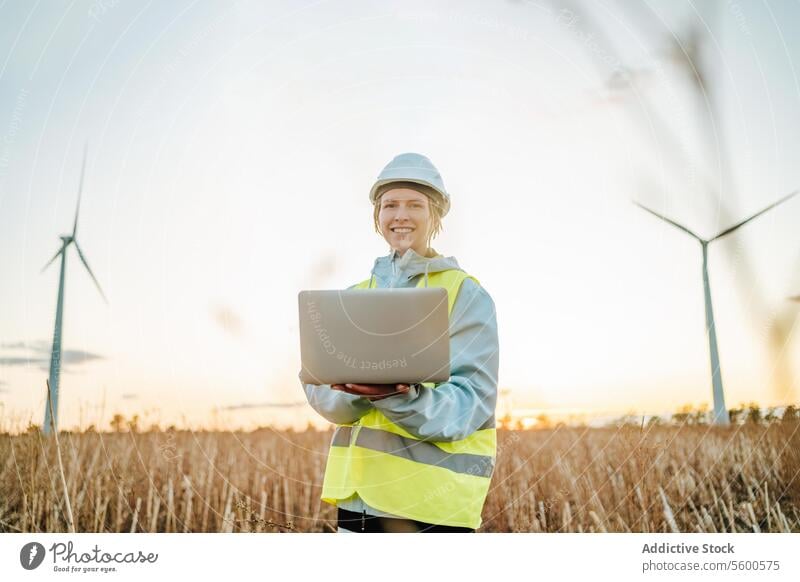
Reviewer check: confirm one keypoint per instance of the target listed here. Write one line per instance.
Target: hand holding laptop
(372, 391)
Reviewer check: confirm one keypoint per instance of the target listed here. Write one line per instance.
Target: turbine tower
(55, 356)
(720, 411)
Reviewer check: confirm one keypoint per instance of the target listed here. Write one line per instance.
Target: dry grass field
(691, 478)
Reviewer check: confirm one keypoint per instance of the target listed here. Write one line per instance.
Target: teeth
(402, 229)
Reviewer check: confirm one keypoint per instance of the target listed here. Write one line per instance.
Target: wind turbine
(55, 357)
(720, 412)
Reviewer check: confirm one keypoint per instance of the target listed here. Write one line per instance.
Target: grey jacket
(453, 410)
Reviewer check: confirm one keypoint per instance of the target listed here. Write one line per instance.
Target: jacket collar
(400, 269)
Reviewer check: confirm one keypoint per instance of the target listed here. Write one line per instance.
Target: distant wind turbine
(720, 411)
(55, 357)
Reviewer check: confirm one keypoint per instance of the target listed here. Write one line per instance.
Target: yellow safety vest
(439, 482)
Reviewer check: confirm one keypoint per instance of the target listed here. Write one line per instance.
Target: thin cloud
(322, 271)
(249, 405)
(228, 320)
(36, 345)
(38, 354)
(12, 345)
(18, 361)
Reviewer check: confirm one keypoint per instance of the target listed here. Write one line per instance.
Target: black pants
(362, 522)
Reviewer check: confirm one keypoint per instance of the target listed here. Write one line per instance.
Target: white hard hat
(411, 167)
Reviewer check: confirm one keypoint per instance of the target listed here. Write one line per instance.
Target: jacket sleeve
(455, 409)
(334, 406)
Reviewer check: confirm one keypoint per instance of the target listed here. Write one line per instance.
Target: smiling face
(405, 220)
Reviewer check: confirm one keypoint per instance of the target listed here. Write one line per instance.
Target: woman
(416, 457)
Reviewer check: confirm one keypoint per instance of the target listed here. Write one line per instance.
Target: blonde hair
(435, 208)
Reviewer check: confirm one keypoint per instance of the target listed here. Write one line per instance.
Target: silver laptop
(375, 336)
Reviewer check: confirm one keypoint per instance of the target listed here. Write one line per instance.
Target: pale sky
(232, 148)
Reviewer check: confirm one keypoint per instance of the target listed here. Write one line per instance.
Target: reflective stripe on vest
(391, 470)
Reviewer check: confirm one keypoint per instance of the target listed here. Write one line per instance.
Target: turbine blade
(55, 256)
(665, 219)
(80, 190)
(746, 220)
(85, 264)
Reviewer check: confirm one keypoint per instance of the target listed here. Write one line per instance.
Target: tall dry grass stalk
(660, 479)
(664, 479)
(54, 432)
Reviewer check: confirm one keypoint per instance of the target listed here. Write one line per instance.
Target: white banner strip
(405, 557)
